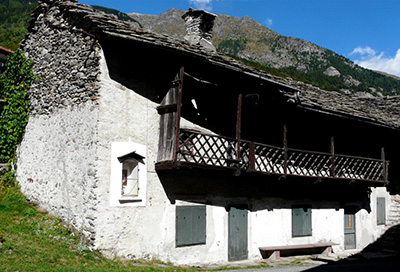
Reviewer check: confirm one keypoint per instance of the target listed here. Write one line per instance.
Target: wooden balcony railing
(218, 151)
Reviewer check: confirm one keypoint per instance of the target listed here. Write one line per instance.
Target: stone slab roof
(383, 111)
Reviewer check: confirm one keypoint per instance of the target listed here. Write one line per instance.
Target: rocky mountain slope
(243, 37)
(257, 45)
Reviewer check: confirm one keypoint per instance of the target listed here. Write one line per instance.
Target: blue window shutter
(307, 230)
(380, 211)
(190, 225)
(301, 222)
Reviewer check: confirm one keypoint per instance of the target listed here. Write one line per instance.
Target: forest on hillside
(14, 18)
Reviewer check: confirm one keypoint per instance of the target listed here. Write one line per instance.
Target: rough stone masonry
(63, 110)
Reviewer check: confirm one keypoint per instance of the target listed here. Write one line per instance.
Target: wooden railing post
(285, 155)
(333, 157)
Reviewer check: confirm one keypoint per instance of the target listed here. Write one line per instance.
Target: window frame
(119, 156)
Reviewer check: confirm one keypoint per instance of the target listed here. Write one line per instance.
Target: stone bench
(275, 252)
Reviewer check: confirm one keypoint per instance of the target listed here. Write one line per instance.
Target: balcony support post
(178, 114)
(285, 155)
(384, 165)
(238, 127)
(333, 157)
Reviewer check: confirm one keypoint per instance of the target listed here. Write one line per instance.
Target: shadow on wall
(382, 255)
(388, 244)
(261, 193)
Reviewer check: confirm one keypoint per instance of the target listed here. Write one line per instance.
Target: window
(128, 174)
(301, 222)
(190, 225)
(130, 185)
(380, 211)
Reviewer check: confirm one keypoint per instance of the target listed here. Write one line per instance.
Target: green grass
(33, 241)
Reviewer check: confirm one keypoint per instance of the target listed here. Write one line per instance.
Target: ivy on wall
(14, 85)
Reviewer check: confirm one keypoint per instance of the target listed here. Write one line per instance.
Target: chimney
(199, 26)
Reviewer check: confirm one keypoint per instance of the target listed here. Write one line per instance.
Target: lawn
(31, 240)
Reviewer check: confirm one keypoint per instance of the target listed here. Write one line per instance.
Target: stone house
(161, 148)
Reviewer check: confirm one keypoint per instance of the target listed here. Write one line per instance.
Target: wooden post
(238, 126)
(333, 157)
(285, 149)
(252, 159)
(178, 113)
(384, 165)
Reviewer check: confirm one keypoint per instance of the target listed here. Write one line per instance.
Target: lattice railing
(311, 164)
(207, 149)
(269, 159)
(358, 168)
(213, 150)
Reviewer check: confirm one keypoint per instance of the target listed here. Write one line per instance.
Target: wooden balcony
(187, 150)
(213, 151)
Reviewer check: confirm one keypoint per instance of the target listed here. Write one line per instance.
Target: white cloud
(268, 22)
(369, 58)
(202, 4)
(363, 51)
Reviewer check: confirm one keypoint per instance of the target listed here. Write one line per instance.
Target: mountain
(242, 38)
(257, 45)
(117, 14)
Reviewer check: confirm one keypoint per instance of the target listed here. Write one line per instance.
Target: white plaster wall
(56, 163)
(366, 222)
(274, 227)
(142, 231)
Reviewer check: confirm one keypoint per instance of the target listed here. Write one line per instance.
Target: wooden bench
(275, 252)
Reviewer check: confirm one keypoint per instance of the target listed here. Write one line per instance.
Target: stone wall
(56, 159)
(65, 63)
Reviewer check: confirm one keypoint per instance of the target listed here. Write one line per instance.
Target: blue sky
(365, 31)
